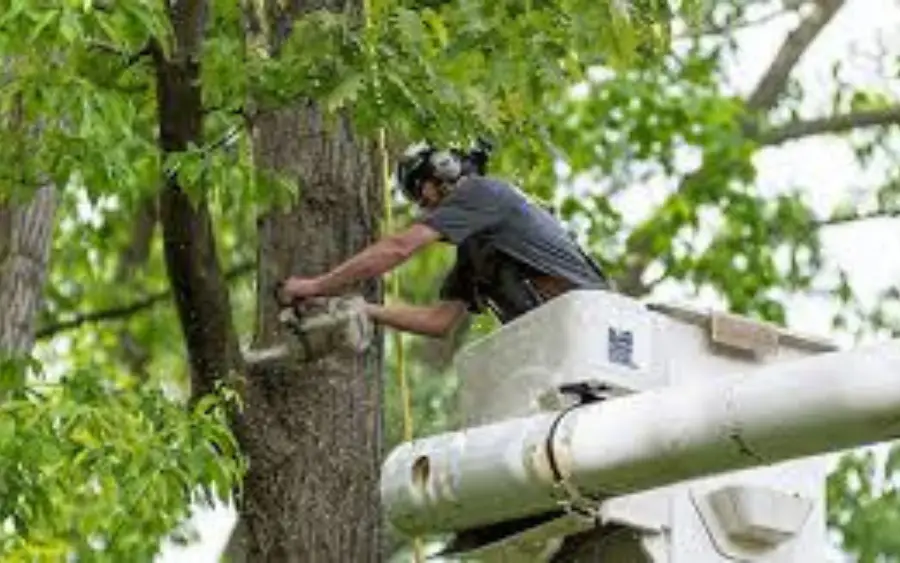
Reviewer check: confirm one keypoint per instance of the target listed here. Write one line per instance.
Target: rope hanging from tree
(394, 283)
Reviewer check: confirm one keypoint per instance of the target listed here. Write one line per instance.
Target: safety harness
(491, 279)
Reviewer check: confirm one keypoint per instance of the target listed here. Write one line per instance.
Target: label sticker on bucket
(620, 347)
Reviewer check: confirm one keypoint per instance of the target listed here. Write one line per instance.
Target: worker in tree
(512, 255)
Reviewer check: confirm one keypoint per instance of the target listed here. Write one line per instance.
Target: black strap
(586, 393)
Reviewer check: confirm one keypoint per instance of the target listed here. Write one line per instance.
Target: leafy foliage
(95, 467)
(862, 505)
(591, 110)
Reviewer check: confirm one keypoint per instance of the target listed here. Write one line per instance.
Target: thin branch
(146, 51)
(833, 124)
(107, 48)
(773, 82)
(128, 310)
(133, 257)
(239, 111)
(225, 140)
(715, 30)
(130, 58)
(848, 218)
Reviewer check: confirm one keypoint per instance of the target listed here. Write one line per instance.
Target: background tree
(26, 229)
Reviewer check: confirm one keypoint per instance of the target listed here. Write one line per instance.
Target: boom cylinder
(516, 468)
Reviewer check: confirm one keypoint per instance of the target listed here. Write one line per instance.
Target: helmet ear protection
(446, 165)
(422, 161)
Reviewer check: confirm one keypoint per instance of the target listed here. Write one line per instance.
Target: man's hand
(297, 288)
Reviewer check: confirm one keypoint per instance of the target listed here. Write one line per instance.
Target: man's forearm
(435, 320)
(371, 262)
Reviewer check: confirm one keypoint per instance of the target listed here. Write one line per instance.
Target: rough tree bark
(314, 432)
(26, 231)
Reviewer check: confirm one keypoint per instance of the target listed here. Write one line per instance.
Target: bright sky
(870, 251)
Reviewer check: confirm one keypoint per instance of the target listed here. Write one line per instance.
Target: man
(512, 256)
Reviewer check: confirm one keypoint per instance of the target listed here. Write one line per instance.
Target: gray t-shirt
(494, 211)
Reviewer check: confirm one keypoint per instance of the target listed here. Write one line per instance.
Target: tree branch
(133, 257)
(26, 235)
(833, 124)
(765, 96)
(130, 58)
(130, 309)
(200, 292)
(772, 85)
(844, 219)
(715, 30)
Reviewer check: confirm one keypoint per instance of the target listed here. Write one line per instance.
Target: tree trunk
(25, 239)
(198, 285)
(314, 433)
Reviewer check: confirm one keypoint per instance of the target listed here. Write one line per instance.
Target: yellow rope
(394, 287)
(394, 290)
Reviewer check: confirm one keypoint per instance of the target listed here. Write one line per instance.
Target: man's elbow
(403, 245)
(398, 249)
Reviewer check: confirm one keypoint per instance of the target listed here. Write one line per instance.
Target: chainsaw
(315, 328)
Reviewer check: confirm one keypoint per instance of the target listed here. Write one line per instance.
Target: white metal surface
(640, 442)
(599, 335)
(698, 535)
(694, 351)
(745, 521)
(579, 336)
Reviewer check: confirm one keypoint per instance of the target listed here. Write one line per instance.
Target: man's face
(431, 194)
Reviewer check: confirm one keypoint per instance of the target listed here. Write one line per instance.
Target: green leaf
(346, 92)
(43, 22)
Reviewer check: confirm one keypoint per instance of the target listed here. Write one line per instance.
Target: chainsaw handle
(293, 304)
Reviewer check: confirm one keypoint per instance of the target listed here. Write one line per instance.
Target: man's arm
(433, 320)
(378, 258)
